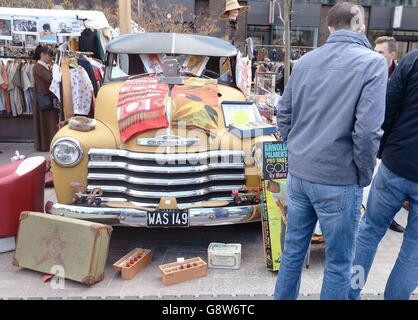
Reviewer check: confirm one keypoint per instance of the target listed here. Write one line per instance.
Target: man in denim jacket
(330, 115)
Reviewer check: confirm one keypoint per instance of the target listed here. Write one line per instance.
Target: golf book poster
(274, 201)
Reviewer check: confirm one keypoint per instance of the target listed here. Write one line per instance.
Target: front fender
(100, 137)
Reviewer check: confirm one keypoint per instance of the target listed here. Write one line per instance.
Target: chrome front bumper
(137, 218)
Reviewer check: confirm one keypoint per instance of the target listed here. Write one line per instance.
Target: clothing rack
(16, 58)
(78, 54)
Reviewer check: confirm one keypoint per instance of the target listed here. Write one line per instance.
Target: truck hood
(106, 112)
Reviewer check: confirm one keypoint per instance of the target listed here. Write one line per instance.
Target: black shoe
(394, 226)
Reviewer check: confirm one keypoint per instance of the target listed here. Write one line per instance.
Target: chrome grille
(143, 178)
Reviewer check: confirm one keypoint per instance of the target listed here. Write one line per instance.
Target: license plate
(168, 219)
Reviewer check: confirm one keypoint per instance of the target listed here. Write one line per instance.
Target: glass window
(299, 36)
(408, 3)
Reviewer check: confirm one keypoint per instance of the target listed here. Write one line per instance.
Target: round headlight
(67, 152)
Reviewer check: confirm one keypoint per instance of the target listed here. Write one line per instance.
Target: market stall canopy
(172, 43)
(95, 19)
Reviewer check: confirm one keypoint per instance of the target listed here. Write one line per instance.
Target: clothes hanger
(83, 20)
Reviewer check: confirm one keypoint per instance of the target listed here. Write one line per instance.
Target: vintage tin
(224, 256)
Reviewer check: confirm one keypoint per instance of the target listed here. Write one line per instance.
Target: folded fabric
(141, 107)
(196, 105)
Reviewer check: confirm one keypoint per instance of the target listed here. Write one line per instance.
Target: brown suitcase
(79, 248)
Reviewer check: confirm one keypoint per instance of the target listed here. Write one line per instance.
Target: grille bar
(163, 182)
(160, 194)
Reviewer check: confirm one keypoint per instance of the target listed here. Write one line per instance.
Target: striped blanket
(141, 107)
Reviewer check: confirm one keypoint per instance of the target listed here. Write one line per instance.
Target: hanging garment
(27, 88)
(4, 88)
(12, 88)
(66, 88)
(88, 42)
(89, 69)
(98, 69)
(55, 87)
(73, 45)
(104, 37)
(2, 105)
(82, 91)
(18, 93)
(31, 77)
(31, 83)
(98, 76)
(100, 47)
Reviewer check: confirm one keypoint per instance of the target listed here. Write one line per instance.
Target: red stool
(22, 186)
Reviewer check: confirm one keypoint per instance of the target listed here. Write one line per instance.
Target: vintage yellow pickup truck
(194, 158)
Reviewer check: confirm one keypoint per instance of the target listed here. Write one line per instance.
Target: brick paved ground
(252, 281)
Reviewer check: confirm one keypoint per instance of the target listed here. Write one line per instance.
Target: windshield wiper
(144, 75)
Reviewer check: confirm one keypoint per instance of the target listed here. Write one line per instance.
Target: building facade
(308, 22)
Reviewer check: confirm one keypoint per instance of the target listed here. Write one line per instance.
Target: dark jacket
(332, 111)
(88, 42)
(400, 140)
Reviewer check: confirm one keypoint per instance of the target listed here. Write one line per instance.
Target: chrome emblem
(168, 141)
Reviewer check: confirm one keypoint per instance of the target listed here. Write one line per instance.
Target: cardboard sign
(243, 74)
(274, 168)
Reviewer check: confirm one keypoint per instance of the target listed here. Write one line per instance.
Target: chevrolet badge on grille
(168, 141)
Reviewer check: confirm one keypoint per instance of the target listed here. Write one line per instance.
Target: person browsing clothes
(45, 115)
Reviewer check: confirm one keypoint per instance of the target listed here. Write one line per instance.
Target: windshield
(123, 66)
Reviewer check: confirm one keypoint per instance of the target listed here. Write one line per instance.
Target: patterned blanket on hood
(196, 105)
(142, 106)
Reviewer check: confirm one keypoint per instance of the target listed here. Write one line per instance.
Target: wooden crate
(133, 262)
(182, 271)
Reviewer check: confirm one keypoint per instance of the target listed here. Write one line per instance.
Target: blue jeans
(338, 210)
(387, 194)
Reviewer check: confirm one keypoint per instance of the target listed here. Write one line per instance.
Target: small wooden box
(182, 271)
(133, 262)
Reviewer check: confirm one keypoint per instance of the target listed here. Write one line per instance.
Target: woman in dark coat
(45, 118)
